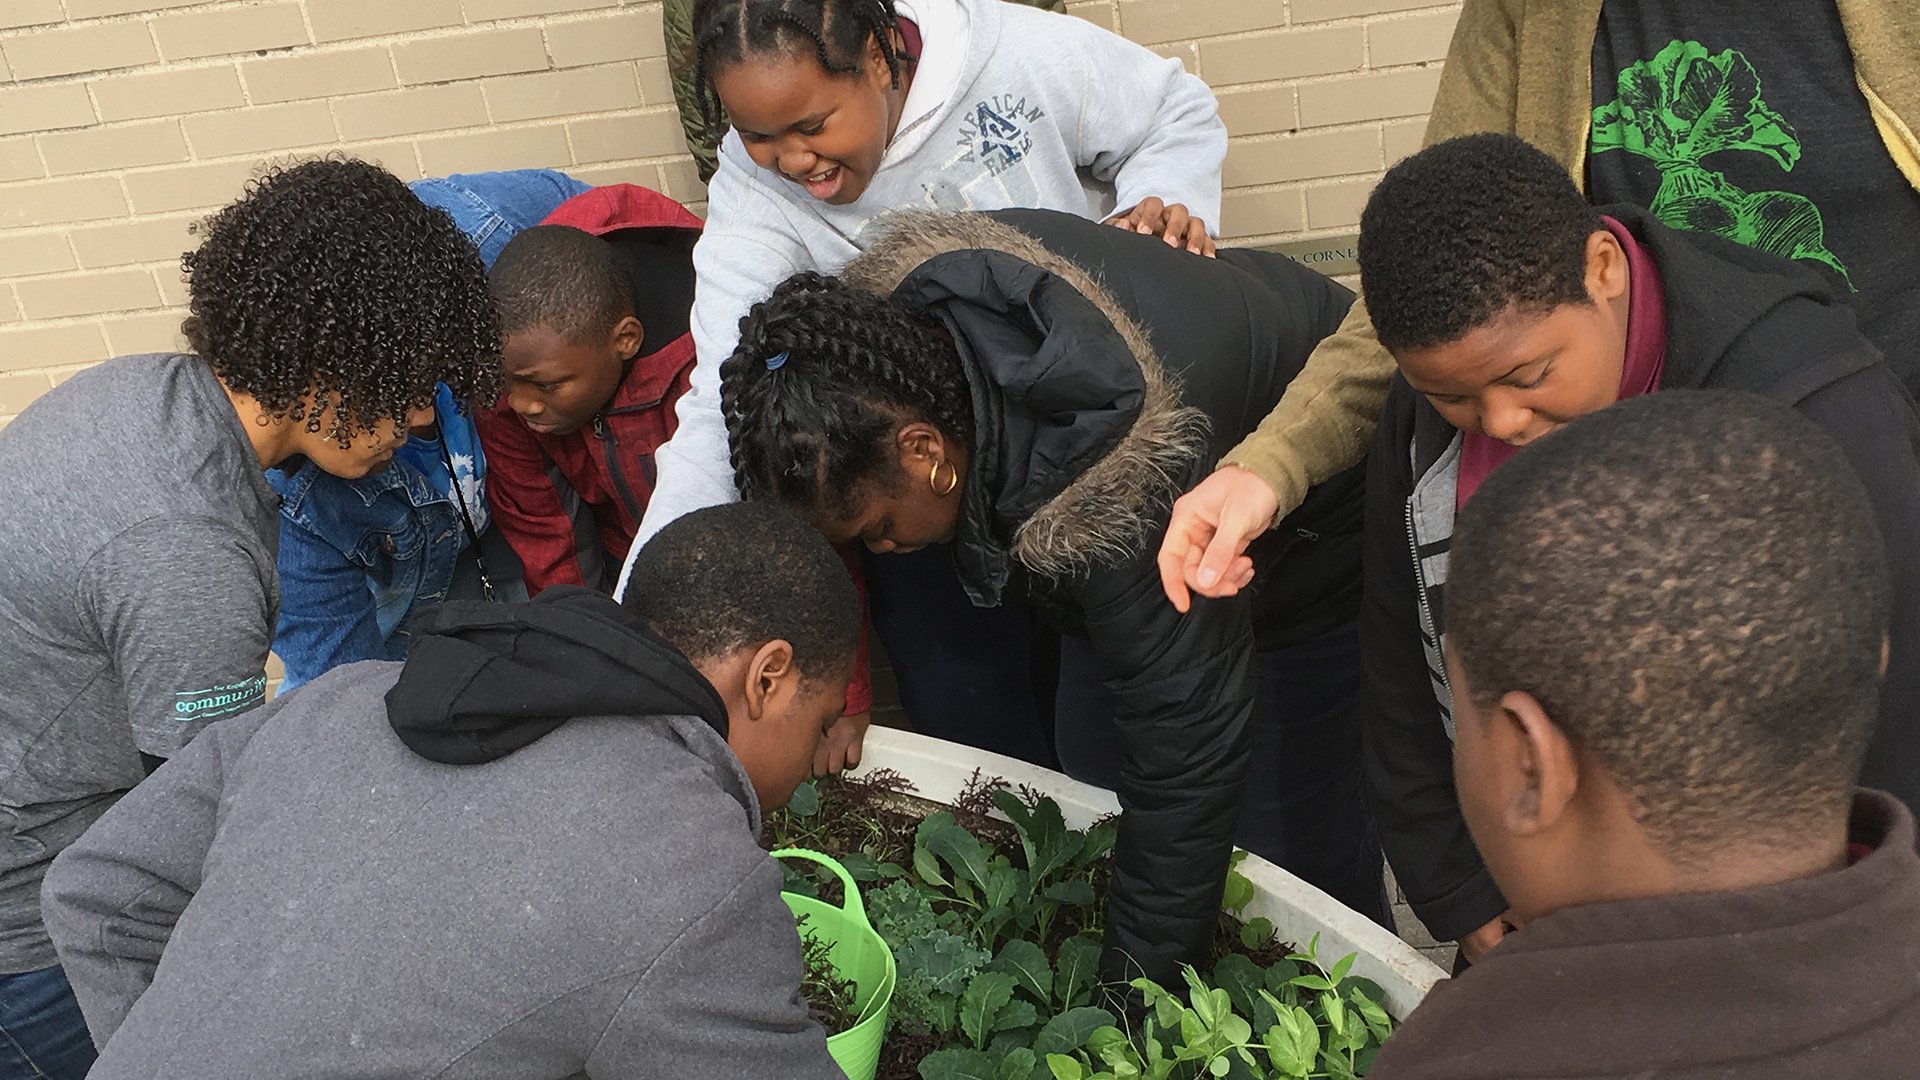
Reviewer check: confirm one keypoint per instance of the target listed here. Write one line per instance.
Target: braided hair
(823, 377)
(330, 278)
(727, 32)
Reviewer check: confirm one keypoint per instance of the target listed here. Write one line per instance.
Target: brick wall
(122, 121)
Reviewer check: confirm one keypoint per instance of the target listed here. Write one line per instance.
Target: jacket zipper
(611, 444)
(1420, 586)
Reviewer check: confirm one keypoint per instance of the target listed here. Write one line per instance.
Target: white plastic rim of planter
(940, 769)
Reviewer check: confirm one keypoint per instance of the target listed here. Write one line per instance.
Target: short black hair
(742, 574)
(1693, 586)
(330, 276)
(1466, 229)
(834, 32)
(824, 375)
(561, 277)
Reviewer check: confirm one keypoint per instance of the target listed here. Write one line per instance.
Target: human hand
(1173, 224)
(1207, 537)
(1477, 944)
(840, 746)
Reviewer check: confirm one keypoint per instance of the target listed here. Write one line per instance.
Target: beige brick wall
(123, 121)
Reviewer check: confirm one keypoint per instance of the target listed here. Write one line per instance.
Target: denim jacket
(357, 557)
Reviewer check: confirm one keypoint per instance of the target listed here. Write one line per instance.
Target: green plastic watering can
(859, 955)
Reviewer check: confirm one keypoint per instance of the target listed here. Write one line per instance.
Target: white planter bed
(940, 769)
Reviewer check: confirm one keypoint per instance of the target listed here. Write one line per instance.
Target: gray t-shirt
(137, 601)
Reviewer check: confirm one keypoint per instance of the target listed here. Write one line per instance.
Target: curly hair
(1702, 609)
(560, 277)
(726, 32)
(1466, 229)
(742, 574)
(329, 278)
(816, 425)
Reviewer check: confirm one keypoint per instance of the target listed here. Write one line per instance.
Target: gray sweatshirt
(1011, 107)
(332, 905)
(137, 600)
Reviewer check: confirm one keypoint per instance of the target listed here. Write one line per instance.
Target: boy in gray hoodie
(528, 853)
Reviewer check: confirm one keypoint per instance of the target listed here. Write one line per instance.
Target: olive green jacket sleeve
(1525, 68)
(703, 137)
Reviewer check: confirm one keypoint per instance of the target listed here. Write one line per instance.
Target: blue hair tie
(776, 362)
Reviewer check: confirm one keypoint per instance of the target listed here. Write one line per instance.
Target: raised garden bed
(988, 876)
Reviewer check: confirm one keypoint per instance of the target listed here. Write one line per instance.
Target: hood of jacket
(1079, 430)
(1718, 292)
(483, 680)
(612, 207)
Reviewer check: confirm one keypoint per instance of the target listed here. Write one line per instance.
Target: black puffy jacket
(1109, 372)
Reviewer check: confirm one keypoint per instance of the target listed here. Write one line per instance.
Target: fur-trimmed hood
(1082, 439)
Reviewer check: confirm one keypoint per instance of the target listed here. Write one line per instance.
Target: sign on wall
(1334, 256)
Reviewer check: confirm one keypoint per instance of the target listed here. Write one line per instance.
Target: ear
(770, 675)
(1541, 756)
(877, 59)
(921, 445)
(626, 338)
(1607, 278)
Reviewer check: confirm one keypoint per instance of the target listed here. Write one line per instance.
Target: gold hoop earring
(933, 479)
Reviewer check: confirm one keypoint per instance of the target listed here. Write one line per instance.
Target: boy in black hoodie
(1664, 678)
(529, 852)
(1513, 307)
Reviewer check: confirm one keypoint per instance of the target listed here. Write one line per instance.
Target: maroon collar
(1645, 361)
(1646, 317)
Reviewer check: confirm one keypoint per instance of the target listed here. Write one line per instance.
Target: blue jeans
(42, 1033)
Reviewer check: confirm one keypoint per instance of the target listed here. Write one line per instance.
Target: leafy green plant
(995, 928)
(1293, 1021)
(830, 998)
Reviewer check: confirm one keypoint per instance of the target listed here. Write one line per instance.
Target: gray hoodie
(332, 904)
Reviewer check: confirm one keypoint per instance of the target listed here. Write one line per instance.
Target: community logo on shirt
(995, 132)
(218, 701)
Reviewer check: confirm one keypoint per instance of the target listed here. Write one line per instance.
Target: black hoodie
(1108, 373)
(483, 680)
(1737, 319)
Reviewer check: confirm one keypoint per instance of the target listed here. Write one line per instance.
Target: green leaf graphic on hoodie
(1686, 104)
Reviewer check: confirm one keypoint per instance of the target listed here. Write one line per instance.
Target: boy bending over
(530, 852)
(1513, 307)
(595, 305)
(328, 308)
(1664, 675)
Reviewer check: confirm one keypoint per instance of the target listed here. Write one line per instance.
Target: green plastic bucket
(859, 955)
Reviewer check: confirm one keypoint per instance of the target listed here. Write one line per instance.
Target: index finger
(1229, 542)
